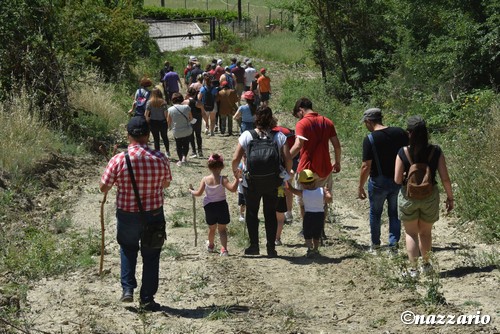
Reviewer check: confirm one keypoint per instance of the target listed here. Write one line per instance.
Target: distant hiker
(241, 195)
(179, 120)
(163, 71)
(141, 97)
(208, 96)
(187, 70)
(315, 199)
(380, 148)
(198, 113)
(239, 74)
(313, 134)
(151, 171)
(196, 72)
(246, 113)
(249, 76)
(219, 69)
(263, 149)
(172, 84)
(418, 215)
(156, 115)
(215, 203)
(227, 100)
(264, 87)
(233, 63)
(229, 77)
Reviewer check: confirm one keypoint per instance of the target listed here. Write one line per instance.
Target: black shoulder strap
(254, 134)
(134, 185)
(375, 155)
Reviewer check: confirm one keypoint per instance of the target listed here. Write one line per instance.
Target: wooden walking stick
(194, 217)
(101, 262)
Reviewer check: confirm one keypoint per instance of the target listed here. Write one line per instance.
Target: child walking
(314, 199)
(214, 202)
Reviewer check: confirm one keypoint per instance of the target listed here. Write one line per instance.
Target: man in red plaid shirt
(152, 174)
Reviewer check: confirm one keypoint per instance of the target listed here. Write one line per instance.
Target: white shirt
(249, 76)
(313, 199)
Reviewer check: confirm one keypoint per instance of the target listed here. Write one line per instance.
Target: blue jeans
(129, 230)
(381, 189)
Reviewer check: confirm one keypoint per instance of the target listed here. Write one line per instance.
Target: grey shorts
(426, 210)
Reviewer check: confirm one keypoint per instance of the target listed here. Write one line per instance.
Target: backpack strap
(407, 153)
(254, 134)
(431, 154)
(375, 155)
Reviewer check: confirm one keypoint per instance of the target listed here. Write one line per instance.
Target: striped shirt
(151, 169)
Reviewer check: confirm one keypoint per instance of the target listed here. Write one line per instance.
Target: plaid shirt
(150, 167)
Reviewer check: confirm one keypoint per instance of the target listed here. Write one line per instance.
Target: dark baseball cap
(137, 126)
(414, 122)
(372, 114)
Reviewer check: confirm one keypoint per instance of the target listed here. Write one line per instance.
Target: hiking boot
(127, 296)
(252, 250)
(150, 306)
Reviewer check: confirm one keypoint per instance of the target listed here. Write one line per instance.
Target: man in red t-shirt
(313, 134)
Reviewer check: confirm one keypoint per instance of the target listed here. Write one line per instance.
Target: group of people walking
(266, 164)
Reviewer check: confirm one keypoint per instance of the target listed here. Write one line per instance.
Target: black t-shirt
(433, 164)
(194, 74)
(387, 141)
(194, 110)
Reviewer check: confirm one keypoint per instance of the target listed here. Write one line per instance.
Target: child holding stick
(314, 199)
(214, 202)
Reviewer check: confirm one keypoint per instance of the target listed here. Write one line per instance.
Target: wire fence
(262, 17)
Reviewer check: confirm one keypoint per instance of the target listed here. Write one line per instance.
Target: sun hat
(248, 95)
(306, 176)
(219, 62)
(138, 126)
(414, 122)
(372, 114)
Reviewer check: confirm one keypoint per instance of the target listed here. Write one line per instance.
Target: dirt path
(346, 290)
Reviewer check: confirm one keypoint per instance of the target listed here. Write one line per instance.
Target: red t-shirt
(290, 137)
(316, 131)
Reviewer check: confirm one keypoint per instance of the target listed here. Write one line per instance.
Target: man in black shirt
(380, 148)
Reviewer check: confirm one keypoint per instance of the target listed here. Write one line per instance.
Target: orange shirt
(264, 83)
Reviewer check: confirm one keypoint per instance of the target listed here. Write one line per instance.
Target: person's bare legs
(412, 241)
(211, 235)
(280, 217)
(222, 235)
(212, 121)
(425, 236)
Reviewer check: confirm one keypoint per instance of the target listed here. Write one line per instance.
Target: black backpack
(263, 163)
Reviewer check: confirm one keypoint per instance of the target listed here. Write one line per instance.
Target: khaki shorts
(426, 210)
(318, 182)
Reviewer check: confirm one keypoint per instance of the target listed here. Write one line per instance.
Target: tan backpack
(419, 178)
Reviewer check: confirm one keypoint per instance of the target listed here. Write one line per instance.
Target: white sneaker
(194, 155)
(374, 249)
(278, 242)
(207, 131)
(209, 249)
(241, 219)
(224, 252)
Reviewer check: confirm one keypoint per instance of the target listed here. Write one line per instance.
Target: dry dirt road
(345, 290)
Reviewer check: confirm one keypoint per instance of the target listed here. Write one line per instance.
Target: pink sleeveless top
(214, 193)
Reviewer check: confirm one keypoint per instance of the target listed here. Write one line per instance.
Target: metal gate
(172, 35)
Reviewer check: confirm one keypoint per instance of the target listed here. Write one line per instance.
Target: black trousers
(182, 146)
(159, 128)
(269, 201)
(196, 133)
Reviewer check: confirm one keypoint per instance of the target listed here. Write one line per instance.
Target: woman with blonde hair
(156, 114)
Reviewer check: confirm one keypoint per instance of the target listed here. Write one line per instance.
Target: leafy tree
(46, 42)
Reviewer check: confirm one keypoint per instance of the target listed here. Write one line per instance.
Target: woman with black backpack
(418, 213)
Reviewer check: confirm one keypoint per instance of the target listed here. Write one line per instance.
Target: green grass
(254, 8)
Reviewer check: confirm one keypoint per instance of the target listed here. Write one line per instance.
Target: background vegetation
(67, 71)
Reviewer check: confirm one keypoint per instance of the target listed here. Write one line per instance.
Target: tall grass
(25, 139)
